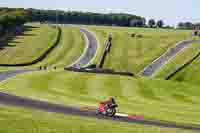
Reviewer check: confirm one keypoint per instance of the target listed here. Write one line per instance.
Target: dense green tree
(187, 25)
(180, 25)
(19, 16)
(73, 17)
(151, 23)
(160, 23)
(10, 17)
(137, 23)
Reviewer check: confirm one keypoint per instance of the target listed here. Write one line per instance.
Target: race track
(163, 59)
(9, 74)
(90, 49)
(8, 99)
(89, 53)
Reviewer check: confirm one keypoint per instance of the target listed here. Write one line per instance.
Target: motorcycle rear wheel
(110, 112)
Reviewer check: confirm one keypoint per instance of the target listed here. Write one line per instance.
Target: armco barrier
(182, 67)
(99, 71)
(43, 56)
(105, 52)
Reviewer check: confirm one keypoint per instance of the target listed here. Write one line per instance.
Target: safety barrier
(99, 71)
(173, 73)
(105, 52)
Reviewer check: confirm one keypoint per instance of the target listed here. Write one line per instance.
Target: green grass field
(155, 99)
(190, 74)
(182, 57)
(19, 120)
(133, 54)
(29, 46)
(69, 49)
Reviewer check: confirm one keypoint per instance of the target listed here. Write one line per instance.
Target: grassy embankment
(70, 48)
(37, 40)
(182, 57)
(28, 46)
(155, 99)
(134, 53)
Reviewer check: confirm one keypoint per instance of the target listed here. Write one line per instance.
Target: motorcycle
(108, 108)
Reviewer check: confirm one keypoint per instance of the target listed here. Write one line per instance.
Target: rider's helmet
(112, 100)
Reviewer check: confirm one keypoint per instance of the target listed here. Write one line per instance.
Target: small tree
(137, 23)
(189, 25)
(151, 23)
(180, 25)
(160, 23)
(196, 33)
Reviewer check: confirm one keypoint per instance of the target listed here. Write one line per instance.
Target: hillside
(190, 74)
(29, 45)
(69, 49)
(134, 53)
(155, 99)
(184, 56)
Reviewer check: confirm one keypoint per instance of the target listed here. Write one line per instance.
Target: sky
(171, 11)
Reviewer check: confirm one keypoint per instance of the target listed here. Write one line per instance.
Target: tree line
(74, 17)
(189, 25)
(10, 18)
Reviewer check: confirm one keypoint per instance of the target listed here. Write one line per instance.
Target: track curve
(9, 74)
(87, 56)
(90, 49)
(163, 59)
(8, 99)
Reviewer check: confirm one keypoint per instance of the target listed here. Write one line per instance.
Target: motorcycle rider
(111, 101)
(106, 104)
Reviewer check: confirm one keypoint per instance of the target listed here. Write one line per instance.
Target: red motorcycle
(108, 108)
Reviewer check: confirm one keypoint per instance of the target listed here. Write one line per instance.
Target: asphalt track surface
(90, 49)
(8, 99)
(163, 59)
(9, 74)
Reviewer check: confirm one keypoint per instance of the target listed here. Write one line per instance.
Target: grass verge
(19, 120)
(181, 58)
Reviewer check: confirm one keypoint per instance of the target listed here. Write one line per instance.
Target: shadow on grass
(13, 34)
(29, 28)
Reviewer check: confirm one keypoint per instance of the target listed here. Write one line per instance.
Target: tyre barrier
(42, 57)
(181, 67)
(99, 71)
